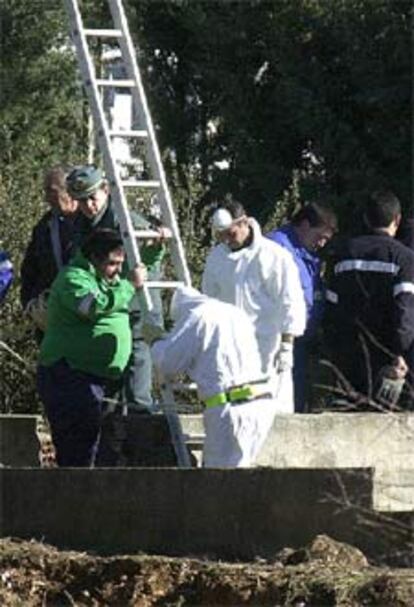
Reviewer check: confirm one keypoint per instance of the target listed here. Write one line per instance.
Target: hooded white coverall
(263, 280)
(215, 344)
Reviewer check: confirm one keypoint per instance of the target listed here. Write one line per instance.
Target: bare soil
(326, 572)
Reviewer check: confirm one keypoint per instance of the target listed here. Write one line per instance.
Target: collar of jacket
(254, 244)
(305, 253)
(97, 219)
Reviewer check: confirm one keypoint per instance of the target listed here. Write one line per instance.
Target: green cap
(84, 181)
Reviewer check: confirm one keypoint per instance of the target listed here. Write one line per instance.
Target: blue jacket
(309, 266)
(6, 274)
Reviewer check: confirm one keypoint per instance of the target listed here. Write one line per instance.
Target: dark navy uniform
(49, 249)
(406, 233)
(370, 309)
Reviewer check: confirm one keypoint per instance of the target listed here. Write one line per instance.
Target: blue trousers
(138, 375)
(73, 402)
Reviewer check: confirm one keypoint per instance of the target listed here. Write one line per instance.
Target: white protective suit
(215, 344)
(263, 280)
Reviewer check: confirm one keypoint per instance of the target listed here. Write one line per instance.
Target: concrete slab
(19, 445)
(192, 425)
(329, 440)
(384, 442)
(221, 513)
(394, 489)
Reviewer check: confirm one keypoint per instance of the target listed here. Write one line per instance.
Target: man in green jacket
(87, 344)
(88, 186)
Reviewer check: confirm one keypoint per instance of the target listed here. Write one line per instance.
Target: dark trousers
(73, 402)
(359, 362)
(300, 374)
(138, 375)
(409, 387)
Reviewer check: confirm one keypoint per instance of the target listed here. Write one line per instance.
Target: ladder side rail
(140, 104)
(87, 69)
(169, 408)
(141, 108)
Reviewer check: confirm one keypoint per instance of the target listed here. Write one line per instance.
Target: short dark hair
(381, 208)
(101, 243)
(56, 174)
(317, 215)
(234, 207)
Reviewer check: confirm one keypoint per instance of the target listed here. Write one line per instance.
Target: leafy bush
(274, 101)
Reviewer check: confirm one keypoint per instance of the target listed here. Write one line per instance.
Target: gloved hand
(284, 357)
(151, 333)
(390, 382)
(389, 391)
(37, 310)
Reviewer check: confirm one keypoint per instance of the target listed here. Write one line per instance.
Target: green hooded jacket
(88, 321)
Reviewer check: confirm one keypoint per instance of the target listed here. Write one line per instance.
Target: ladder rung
(194, 439)
(126, 133)
(182, 386)
(103, 33)
(117, 84)
(141, 184)
(163, 284)
(151, 234)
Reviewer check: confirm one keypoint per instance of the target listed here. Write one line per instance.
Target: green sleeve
(90, 299)
(152, 255)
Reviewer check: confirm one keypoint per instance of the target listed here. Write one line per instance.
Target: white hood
(184, 300)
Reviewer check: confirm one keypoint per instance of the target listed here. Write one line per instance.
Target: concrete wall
(329, 440)
(221, 513)
(384, 442)
(19, 445)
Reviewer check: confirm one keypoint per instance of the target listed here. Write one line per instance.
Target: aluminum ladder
(93, 85)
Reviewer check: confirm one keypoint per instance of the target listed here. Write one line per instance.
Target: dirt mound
(325, 573)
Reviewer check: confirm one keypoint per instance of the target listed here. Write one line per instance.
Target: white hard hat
(222, 220)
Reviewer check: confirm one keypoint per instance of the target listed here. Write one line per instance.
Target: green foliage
(276, 101)
(256, 83)
(41, 124)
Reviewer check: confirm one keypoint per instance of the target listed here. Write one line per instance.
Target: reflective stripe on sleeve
(6, 265)
(86, 303)
(331, 296)
(403, 287)
(348, 265)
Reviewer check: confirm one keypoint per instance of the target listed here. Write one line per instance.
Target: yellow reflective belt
(241, 393)
(217, 399)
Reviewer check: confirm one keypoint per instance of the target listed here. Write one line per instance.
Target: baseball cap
(83, 181)
(222, 220)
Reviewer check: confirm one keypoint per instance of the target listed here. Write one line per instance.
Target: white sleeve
(293, 300)
(176, 352)
(209, 284)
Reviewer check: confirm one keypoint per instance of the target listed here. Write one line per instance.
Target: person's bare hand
(138, 275)
(399, 369)
(164, 233)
